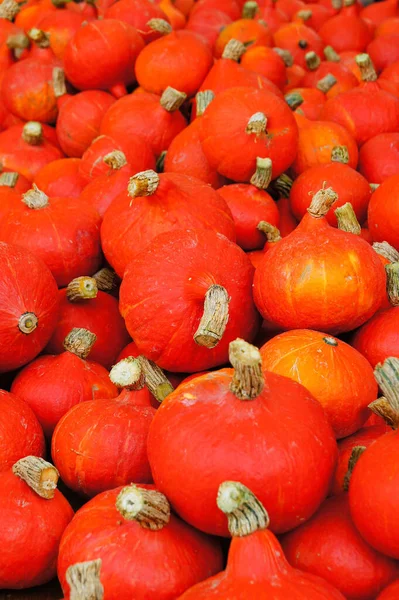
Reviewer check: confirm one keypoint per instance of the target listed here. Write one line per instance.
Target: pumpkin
(265, 61)
(28, 306)
(390, 592)
(378, 13)
(139, 528)
(320, 277)
(89, 63)
(248, 31)
(167, 62)
(346, 32)
(176, 18)
(140, 14)
(330, 546)
(166, 202)
(29, 552)
(383, 213)
(299, 40)
(273, 14)
(273, 236)
(336, 374)
(267, 574)
(378, 338)
(51, 385)
(9, 197)
(243, 125)
(21, 433)
(207, 22)
(243, 423)
(313, 15)
(384, 50)
(344, 78)
(306, 101)
(79, 120)
(61, 26)
(295, 75)
(232, 8)
(207, 301)
(61, 178)
(379, 157)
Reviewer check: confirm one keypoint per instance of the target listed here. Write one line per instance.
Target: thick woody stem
(326, 83)
(340, 154)
(293, 99)
(160, 26)
(305, 15)
(202, 101)
(81, 288)
(233, 50)
(80, 341)
(148, 507)
(250, 10)
(283, 185)
(115, 159)
(155, 380)
(214, 318)
(387, 251)
(347, 220)
(336, 4)
(40, 37)
(59, 86)
(9, 9)
(28, 322)
(356, 453)
(322, 202)
(171, 99)
(392, 271)
(35, 198)
(383, 409)
(245, 514)
(374, 186)
(263, 174)
(128, 374)
(107, 280)
(84, 580)
(247, 382)
(285, 55)
(387, 377)
(331, 55)
(144, 183)
(367, 70)
(40, 475)
(9, 179)
(312, 60)
(32, 133)
(271, 232)
(18, 42)
(256, 124)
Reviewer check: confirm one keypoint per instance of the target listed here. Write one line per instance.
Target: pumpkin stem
(374, 186)
(144, 183)
(285, 55)
(9, 179)
(283, 185)
(293, 99)
(256, 124)
(155, 380)
(171, 99)
(40, 37)
(9, 9)
(27, 323)
(305, 15)
(340, 154)
(392, 271)
(80, 341)
(115, 159)
(40, 475)
(233, 50)
(330, 341)
(331, 55)
(35, 198)
(203, 100)
(32, 133)
(81, 288)
(59, 86)
(148, 507)
(106, 279)
(245, 514)
(214, 318)
(326, 83)
(160, 26)
(347, 220)
(387, 251)
(322, 202)
(247, 382)
(271, 232)
(336, 4)
(263, 174)
(17, 42)
(312, 60)
(356, 453)
(367, 70)
(84, 580)
(128, 374)
(250, 10)
(383, 409)
(160, 164)
(387, 377)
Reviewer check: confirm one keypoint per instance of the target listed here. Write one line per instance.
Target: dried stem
(59, 86)
(214, 318)
(263, 174)
(80, 341)
(40, 475)
(383, 409)
(387, 377)
(285, 55)
(148, 507)
(84, 580)
(331, 55)
(128, 374)
(340, 154)
(326, 83)
(9, 9)
(27, 323)
(256, 124)
(244, 512)
(283, 185)
(115, 159)
(356, 453)
(312, 60)
(171, 99)
(155, 379)
(40, 37)
(160, 26)
(347, 220)
(107, 280)
(32, 133)
(144, 183)
(35, 199)
(160, 164)
(233, 50)
(367, 70)
(387, 251)
(392, 271)
(9, 179)
(305, 15)
(81, 288)
(202, 101)
(322, 202)
(247, 382)
(271, 232)
(294, 100)
(250, 10)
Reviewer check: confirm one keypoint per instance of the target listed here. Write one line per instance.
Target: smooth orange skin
(345, 181)
(8, 199)
(388, 26)
(383, 212)
(330, 546)
(266, 62)
(379, 337)
(290, 7)
(345, 78)
(289, 36)
(339, 377)
(31, 14)
(379, 157)
(319, 278)
(391, 592)
(168, 62)
(243, 30)
(61, 178)
(128, 552)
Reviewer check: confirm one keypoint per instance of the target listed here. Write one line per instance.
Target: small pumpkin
(378, 338)
(379, 157)
(61, 178)
(383, 212)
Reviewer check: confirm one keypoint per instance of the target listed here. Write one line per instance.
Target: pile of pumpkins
(199, 286)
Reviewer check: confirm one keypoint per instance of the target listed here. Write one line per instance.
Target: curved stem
(80, 341)
(115, 159)
(247, 382)
(148, 507)
(233, 50)
(245, 514)
(383, 409)
(271, 232)
(347, 220)
(40, 475)
(160, 164)
(250, 10)
(331, 55)
(81, 288)
(356, 453)
(171, 99)
(144, 183)
(106, 279)
(155, 379)
(392, 271)
(128, 374)
(214, 318)
(84, 580)
(387, 377)
(263, 174)
(387, 251)
(322, 202)
(28, 322)
(294, 100)
(285, 55)
(160, 26)
(283, 185)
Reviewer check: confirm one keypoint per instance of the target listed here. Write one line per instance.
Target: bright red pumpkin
(379, 157)
(265, 61)
(248, 31)
(383, 212)
(299, 40)
(391, 592)
(61, 178)
(346, 32)
(137, 13)
(379, 337)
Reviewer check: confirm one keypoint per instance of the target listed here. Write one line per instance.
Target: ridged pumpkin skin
(319, 278)
(28, 554)
(383, 212)
(379, 157)
(231, 150)
(186, 264)
(179, 202)
(20, 432)
(338, 376)
(379, 337)
(330, 546)
(128, 552)
(249, 441)
(26, 286)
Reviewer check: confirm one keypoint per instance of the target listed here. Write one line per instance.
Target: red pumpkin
(377, 13)
(346, 32)
(247, 31)
(306, 101)
(274, 14)
(61, 26)
(138, 14)
(273, 236)
(299, 40)
(140, 532)
(256, 565)
(29, 551)
(28, 306)
(61, 178)
(379, 337)
(208, 22)
(392, 591)
(165, 202)
(243, 425)
(21, 433)
(383, 212)
(320, 277)
(379, 157)
(330, 546)
(384, 50)
(265, 61)
(229, 7)
(51, 385)
(9, 196)
(345, 79)
(313, 15)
